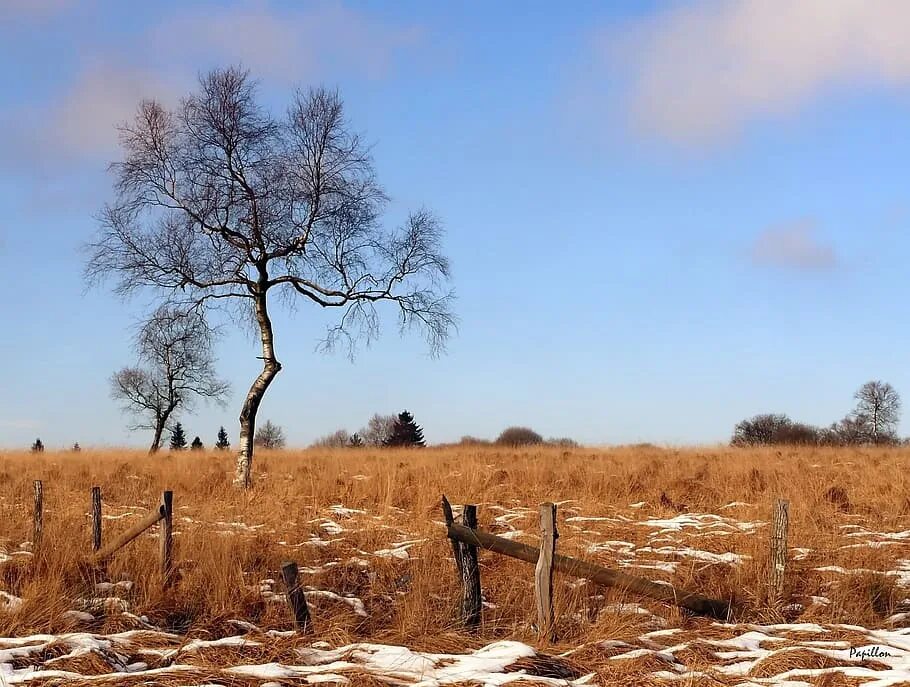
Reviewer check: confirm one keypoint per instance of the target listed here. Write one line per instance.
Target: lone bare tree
(378, 429)
(878, 410)
(175, 367)
(270, 436)
(219, 201)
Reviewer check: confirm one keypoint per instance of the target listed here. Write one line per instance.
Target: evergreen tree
(405, 432)
(76, 447)
(222, 444)
(355, 441)
(38, 446)
(178, 438)
(197, 444)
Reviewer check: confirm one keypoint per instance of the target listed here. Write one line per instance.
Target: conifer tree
(222, 444)
(405, 432)
(355, 441)
(178, 438)
(76, 447)
(197, 444)
(38, 446)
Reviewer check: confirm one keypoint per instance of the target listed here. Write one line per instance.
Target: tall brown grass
(221, 563)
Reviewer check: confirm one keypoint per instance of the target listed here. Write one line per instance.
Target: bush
(519, 436)
(563, 442)
(468, 440)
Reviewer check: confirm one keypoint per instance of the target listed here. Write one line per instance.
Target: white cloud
(793, 246)
(700, 72)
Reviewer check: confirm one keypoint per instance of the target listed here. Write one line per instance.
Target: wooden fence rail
(691, 601)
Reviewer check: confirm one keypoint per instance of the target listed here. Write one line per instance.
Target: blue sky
(660, 222)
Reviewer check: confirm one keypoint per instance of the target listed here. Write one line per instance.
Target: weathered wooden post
(471, 598)
(38, 516)
(166, 536)
(295, 596)
(543, 573)
(96, 518)
(779, 525)
(456, 545)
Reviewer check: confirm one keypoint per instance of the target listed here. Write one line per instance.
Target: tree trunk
(160, 424)
(156, 442)
(270, 368)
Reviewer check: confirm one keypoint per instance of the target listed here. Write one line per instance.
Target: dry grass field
(366, 529)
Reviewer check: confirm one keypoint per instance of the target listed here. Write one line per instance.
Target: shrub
(197, 444)
(468, 440)
(519, 436)
(563, 442)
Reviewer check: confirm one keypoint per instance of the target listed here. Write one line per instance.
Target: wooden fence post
(543, 573)
(456, 545)
(166, 536)
(96, 518)
(295, 596)
(38, 516)
(471, 599)
(779, 525)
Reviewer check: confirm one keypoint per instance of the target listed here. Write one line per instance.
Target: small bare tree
(175, 368)
(878, 410)
(378, 429)
(270, 436)
(219, 201)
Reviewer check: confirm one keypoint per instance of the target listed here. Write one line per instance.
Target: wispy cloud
(32, 10)
(283, 46)
(289, 44)
(697, 74)
(793, 246)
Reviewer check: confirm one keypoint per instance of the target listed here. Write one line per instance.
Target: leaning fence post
(166, 536)
(96, 518)
(543, 573)
(471, 599)
(38, 516)
(295, 595)
(779, 525)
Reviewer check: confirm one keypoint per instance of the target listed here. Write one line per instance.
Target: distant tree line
(873, 421)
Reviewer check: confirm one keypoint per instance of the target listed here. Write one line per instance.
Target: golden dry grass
(228, 541)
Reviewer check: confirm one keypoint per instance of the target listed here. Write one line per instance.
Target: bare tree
(219, 201)
(175, 368)
(378, 429)
(878, 410)
(270, 436)
(337, 439)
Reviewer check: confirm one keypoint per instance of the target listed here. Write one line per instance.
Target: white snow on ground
(25, 659)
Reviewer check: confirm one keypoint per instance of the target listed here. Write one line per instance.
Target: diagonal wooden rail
(691, 601)
(151, 519)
